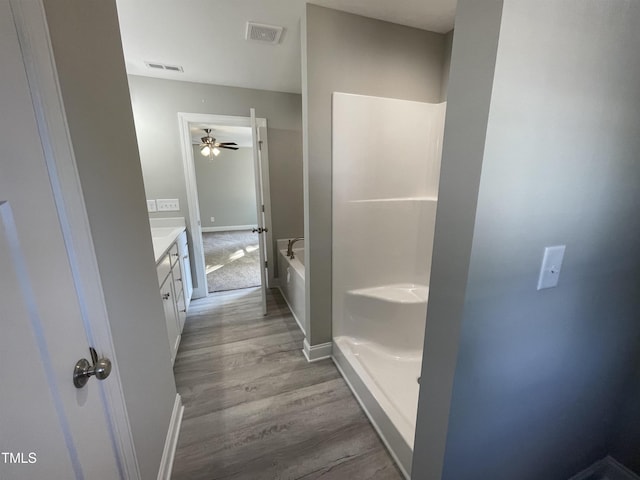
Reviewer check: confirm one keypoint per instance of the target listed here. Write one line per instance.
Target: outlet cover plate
(168, 204)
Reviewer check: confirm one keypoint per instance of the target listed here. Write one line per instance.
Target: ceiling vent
(164, 66)
(260, 32)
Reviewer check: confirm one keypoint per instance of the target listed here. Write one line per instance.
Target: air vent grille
(259, 32)
(164, 66)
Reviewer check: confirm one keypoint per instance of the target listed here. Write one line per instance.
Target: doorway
(225, 180)
(228, 201)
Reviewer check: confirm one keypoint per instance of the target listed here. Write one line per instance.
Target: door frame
(35, 45)
(192, 221)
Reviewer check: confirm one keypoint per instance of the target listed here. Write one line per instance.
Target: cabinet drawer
(163, 268)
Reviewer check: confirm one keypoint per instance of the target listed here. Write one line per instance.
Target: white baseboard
(171, 442)
(317, 352)
(590, 471)
(231, 228)
(608, 466)
(615, 467)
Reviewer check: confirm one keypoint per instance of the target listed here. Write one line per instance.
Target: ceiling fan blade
(227, 147)
(228, 143)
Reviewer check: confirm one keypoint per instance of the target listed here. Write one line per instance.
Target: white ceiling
(207, 37)
(222, 133)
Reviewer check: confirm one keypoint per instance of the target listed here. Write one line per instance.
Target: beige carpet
(232, 260)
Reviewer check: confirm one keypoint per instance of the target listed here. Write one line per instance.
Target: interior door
(262, 227)
(48, 428)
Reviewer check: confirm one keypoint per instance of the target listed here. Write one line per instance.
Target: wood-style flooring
(256, 409)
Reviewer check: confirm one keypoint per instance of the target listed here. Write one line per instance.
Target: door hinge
(266, 264)
(263, 208)
(260, 145)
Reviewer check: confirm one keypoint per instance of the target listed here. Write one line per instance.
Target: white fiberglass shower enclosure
(386, 168)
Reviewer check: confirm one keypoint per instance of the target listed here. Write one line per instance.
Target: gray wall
(155, 106)
(352, 54)
(226, 188)
(446, 66)
(94, 87)
(626, 432)
(540, 374)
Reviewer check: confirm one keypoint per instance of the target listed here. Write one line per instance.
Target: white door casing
(262, 233)
(265, 187)
(193, 220)
(50, 291)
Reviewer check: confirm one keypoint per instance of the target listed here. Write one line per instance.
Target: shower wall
(386, 167)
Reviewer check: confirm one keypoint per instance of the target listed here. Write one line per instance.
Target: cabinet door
(181, 310)
(183, 249)
(170, 316)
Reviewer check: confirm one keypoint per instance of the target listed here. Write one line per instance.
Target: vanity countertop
(163, 238)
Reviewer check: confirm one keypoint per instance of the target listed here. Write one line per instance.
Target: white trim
(317, 352)
(171, 442)
(606, 466)
(42, 76)
(231, 228)
(257, 177)
(621, 471)
(589, 471)
(305, 343)
(193, 226)
(193, 220)
(271, 254)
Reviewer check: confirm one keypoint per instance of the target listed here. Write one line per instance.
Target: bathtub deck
(255, 409)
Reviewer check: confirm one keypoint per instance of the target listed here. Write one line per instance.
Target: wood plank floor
(256, 409)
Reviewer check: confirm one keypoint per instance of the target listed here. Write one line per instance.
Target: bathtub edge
(295, 317)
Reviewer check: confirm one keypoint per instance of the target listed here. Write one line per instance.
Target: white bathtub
(379, 352)
(291, 280)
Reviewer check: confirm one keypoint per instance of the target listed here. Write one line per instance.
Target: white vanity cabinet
(174, 279)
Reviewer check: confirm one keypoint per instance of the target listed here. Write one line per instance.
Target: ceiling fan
(210, 148)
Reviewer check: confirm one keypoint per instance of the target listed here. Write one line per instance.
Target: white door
(48, 427)
(260, 201)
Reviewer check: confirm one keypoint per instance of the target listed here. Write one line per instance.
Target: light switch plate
(168, 204)
(551, 266)
(151, 206)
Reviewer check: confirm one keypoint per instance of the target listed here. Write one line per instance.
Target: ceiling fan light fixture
(211, 148)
